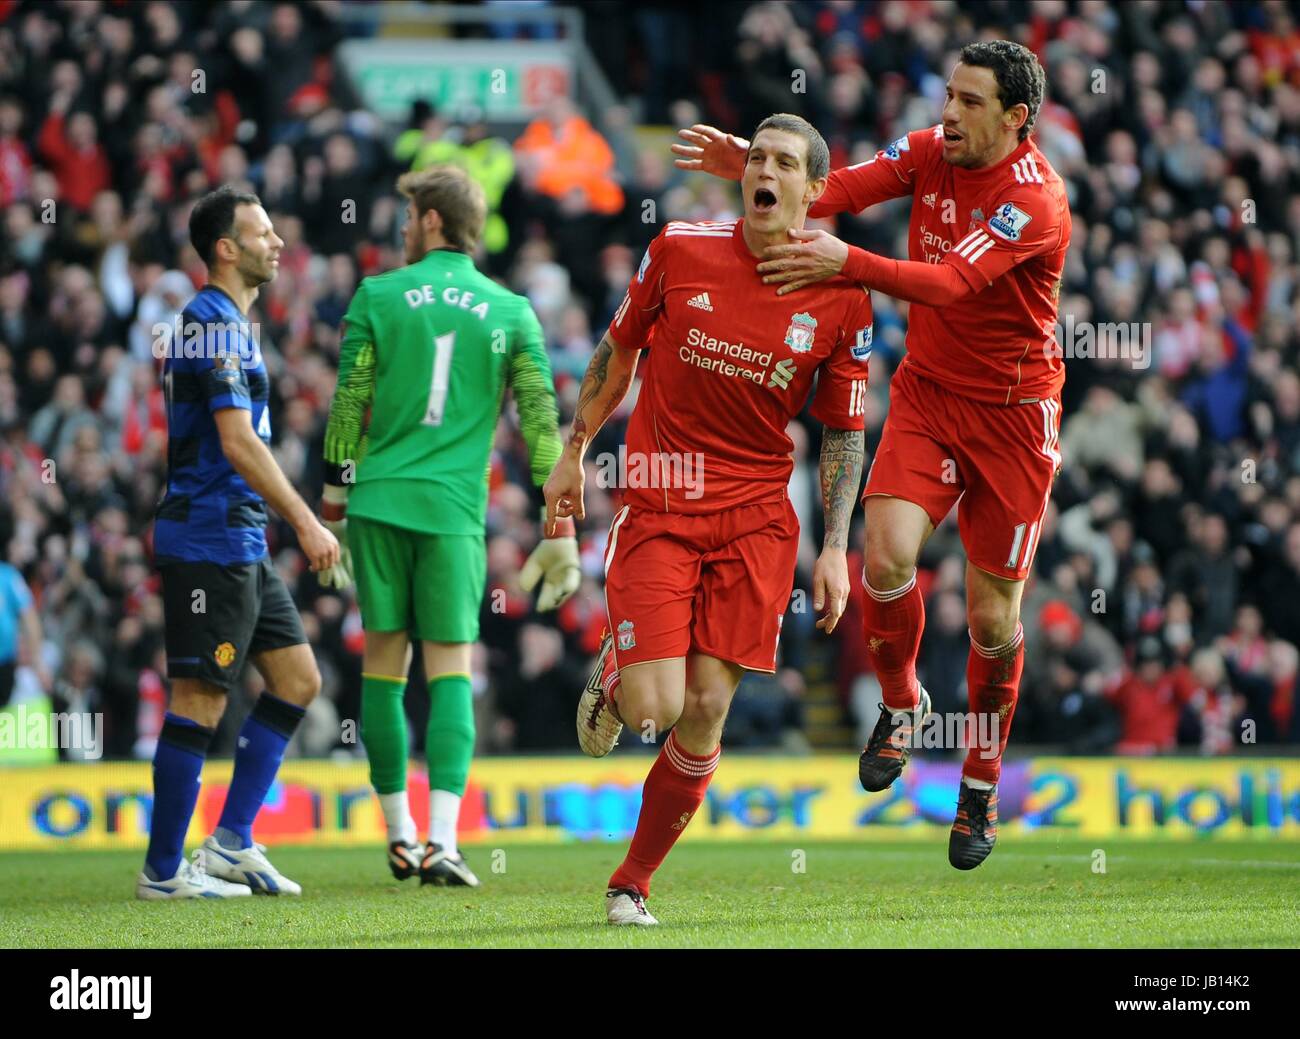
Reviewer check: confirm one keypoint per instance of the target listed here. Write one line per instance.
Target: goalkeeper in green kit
(429, 350)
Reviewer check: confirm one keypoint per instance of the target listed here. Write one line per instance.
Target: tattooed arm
(608, 378)
(841, 475)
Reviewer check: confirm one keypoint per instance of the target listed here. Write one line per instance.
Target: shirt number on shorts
(443, 346)
(1020, 542)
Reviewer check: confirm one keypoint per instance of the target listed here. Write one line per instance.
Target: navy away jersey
(208, 513)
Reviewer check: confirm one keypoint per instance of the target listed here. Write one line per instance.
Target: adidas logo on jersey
(701, 301)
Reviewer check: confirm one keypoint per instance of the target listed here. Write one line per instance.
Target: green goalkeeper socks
(449, 743)
(383, 731)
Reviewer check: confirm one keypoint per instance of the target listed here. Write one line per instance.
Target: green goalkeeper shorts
(430, 585)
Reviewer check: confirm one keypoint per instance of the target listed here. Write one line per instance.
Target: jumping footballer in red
(975, 406)
(700, 561)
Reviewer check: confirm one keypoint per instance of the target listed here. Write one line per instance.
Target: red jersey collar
(738, 241)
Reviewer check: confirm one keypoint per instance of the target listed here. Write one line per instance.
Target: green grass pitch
(1034, 893)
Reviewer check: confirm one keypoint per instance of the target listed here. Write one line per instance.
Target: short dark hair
(1021, 80)
(456, 196)
(818, 163)
(213, 217)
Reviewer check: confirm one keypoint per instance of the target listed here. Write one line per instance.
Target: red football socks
(610, 681)
(892, 622)
(673, 791)
(993, 683)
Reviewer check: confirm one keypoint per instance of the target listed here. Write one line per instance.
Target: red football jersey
(1006, 228)
(731, 364)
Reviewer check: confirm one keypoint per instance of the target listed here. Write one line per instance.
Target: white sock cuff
(444, 813)
(397, 817)
(690, 766)
(996, 652)
(893, 593)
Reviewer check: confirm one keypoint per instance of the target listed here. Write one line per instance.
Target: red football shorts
(999, 460)
(716, 584)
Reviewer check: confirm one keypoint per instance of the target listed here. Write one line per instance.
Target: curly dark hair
(1021, 80)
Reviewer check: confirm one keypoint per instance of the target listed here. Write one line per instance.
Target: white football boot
(191, 881)
(624, 907)
(404, 859)
(598, 726)
(445, 869)
(246, 866)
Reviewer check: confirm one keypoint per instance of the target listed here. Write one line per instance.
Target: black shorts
(216, 617)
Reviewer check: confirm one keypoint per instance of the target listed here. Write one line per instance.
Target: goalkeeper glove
(555, 562)
(334, 503)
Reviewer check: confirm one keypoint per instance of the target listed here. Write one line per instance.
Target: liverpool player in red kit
(975, 406)
(698, 572)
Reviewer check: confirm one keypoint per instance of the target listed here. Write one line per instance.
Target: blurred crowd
(1165, 608)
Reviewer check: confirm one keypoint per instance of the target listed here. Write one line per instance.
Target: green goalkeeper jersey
(430, 349)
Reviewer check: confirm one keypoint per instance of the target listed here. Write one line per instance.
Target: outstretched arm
(1028, 224)
(890, 174)
(815, 255)
(818, 255)
(934, 284)
(710, 150)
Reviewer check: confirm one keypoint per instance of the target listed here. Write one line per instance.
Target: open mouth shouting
(951, 136)
(764, 200)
